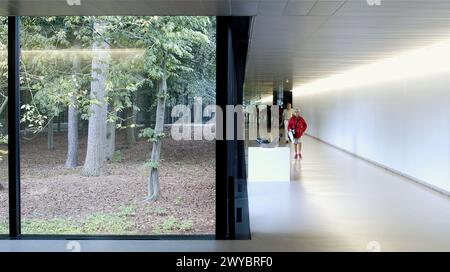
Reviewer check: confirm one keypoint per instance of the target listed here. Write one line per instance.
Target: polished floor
(338, 202)
(334, 202)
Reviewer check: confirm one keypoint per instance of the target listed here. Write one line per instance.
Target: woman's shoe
(295, 157)
(300, 156)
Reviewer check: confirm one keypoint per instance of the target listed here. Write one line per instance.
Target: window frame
(226, 175)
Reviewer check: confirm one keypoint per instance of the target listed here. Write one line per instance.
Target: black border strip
(14, 126)
(221, 145)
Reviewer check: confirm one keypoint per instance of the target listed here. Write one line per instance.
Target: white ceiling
(301, 41)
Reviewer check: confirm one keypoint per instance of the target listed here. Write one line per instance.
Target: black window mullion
(14, 126)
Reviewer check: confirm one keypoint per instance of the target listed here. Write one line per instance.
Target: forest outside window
(96, 154)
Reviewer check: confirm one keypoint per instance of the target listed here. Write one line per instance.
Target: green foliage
(184, 44)
(151, 165)
(3, 153)
(33, 118)
(186, 225)
(106, 223)
(127, 210)
(160, 211)
(96, 223)
(170, 43)
(178, 200)
(172, 224)
(54, 226)
(101, 223)
(3, 141)
(150, 135)
(117, 156)
(201, 82)
(167, 225)
(47, 76)
(4, 227)
(3, 138)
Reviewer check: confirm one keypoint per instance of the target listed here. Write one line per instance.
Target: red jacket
(301, 128)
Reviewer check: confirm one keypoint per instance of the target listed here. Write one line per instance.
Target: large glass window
(4, 225)
(101, 151)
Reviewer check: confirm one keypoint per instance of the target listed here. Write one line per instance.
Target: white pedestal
(269, 164)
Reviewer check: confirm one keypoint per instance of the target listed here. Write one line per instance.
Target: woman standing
(297, 126)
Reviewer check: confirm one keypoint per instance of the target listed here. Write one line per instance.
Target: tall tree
(50, 134)
(168, 43)
(110, 143)
(153, 184)
(130, 122)
(95, 154)
(78, 33)
(72, 118)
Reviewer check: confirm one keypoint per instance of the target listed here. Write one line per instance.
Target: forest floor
(57, 200)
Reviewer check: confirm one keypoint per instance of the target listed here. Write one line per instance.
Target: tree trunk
(4, 128)
(110, 147)
(131, 125)
(72, 122)
(58, 125)
(50, 134)
(95, 154)
(110, 140)
(3, 106)
(72, 135)
(153, 184)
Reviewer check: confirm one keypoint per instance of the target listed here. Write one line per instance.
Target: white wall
(403, 125)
